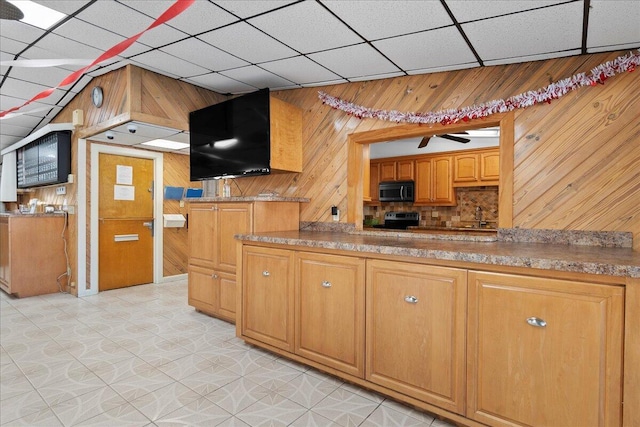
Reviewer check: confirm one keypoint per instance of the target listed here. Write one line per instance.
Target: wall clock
(97, 96)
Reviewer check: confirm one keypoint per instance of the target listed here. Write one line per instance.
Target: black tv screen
(231, 139)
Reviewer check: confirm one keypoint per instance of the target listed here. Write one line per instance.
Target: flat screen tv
(231, 139)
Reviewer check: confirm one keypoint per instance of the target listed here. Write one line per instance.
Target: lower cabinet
(416, 331)
(267, 296)
(330, 311)
(544, 352)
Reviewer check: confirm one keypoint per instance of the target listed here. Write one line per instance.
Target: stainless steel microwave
(396, 191)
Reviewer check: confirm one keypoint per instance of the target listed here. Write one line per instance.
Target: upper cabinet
(433, 181)
(476, 168)
(397, 170)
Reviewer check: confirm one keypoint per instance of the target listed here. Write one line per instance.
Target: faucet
(479, 216)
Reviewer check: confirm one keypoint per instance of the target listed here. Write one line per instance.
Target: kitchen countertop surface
(612, 261)
(29, 215)
(259, 198)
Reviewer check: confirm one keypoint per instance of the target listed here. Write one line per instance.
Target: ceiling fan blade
(455, 138)
(424, 142)
(9, 11)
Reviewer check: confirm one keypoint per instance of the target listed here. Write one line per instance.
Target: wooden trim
(631, 373)
(505, 181)
(160, 121)
(355, 180)
(88, 132)
(133, 97)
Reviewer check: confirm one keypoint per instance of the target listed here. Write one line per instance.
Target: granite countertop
(259, 198)
(29, 215)
(612, 261)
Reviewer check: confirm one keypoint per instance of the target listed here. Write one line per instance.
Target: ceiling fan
(460, 139)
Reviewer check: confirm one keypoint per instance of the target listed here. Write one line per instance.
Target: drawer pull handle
(411, 299)
(538, 323)
(326, 284)
(266, 273)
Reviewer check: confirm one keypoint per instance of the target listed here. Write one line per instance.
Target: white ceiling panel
(376, 19)
(94, 36)
(49, 76)
(201, 16)
(470, 10)
(11, 46)
(20, 31)
(363, 61)
(203, 54)
(171, 64)
(300, 70)
(24, 121)
(424, 50)
(18, 89)
(247, 8)
(452, 67)
(257, 77)
(246, 42)
(376, 77)
(528, 33)
(306, 27)
(221, 84)
(14, 130)
(529, 58)
(62, 47)
(623, 15)
(8, 140)
(115, 17)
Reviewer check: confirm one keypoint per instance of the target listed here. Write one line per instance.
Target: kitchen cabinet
(415, 321)
(434, 185)
(268, 296)
(476, 168)
(543, 351)
(397, 170)
(31, 254)
(374, 181)
(329, 305)
(212, 247)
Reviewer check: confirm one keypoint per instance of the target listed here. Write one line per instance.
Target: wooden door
(424, 181)
(267, 296)
(330, 311)
(233, 218)
(415, 321)
(442, 181)
(125, 210)
(5, 268)
(490, 166)
(404, 170)
(465, 168)
(227, 295)
(387, 171)
(544, 352)
(203, 290)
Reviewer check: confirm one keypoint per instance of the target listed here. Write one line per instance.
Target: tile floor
(141, 356)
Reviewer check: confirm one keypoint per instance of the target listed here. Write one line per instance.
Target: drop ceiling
(237, 46)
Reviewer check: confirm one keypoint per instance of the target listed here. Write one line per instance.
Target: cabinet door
(232, 219)
(543, 352)
(415, 322)
(443, 193)
(490, 166)
(203, 290)
(465, 168)
(374, 180)
(424, 182)
(330, 311)
(387, 171)
(4, 254)
(202, 220)
(227, 291)
(404, 170)
(267, 296)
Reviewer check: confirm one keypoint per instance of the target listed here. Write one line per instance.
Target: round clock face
(96, 96)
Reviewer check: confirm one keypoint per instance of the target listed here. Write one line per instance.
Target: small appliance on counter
(399, 220)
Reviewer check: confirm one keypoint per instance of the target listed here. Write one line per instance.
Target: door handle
(149, 225)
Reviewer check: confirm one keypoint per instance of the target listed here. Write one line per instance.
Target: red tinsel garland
(548, 93)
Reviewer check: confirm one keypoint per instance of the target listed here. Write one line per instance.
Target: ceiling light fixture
(488, 132)
(37, 15)
(163, 143)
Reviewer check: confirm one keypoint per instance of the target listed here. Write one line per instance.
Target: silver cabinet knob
(266, 273)
(326, 284)
(537, 322)
(214, 276)
(411, 299)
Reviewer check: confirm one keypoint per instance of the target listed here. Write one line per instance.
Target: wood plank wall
(126, 92)
(576, 160)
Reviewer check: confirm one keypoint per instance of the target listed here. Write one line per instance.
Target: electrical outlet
(335, 213)
(61, 190)
(71, 210)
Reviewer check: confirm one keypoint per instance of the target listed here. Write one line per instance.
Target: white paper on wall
(123, 192)
(124, 175)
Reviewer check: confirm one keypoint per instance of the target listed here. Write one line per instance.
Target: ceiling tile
(17, 30)
(540, 31)
(528, 58)
(26, 90)
(91, 35)
(203, 54)
(328, 83)
(363, 61)
(12, 46)
(247, 8)
(169, 63)
(256, 77)
(376, 19)
(24, 121)
(8, 141)
(443, 68)
(424, 50)
(306, 27)
(46, 76)
(201, 16)
(61, 47)
(247, 43)
(465, 10)
(376, 77)
(300, 70)
(14, 130)
(614, 23)
(219, 83)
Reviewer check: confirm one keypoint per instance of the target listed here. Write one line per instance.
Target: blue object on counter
(194, 192)
(173, 193)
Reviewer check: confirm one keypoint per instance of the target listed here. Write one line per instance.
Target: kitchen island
(515, 329)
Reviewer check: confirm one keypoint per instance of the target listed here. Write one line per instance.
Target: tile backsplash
(468, 198)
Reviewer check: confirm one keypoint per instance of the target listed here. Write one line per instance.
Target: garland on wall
(625, 63)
